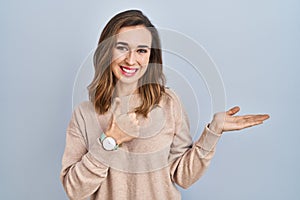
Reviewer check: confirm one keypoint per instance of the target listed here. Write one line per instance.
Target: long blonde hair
(151, 85)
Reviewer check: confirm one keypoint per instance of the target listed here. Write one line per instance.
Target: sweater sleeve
(81, 173)
(189, 160)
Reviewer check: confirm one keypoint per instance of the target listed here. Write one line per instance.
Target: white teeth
(130, 71)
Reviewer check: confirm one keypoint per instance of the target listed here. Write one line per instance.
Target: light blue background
(255, 45)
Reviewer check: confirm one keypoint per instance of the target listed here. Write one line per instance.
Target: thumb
(233, 110)
(116, 111)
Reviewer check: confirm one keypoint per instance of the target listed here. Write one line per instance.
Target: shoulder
(84, 108)
(170, 100)
(85, 105)
(84, 115)
(171, 96)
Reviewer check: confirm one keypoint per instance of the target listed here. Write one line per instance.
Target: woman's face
(131, 54)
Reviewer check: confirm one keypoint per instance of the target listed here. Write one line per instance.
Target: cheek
(115, 69)
(117, 57)
(144, 61)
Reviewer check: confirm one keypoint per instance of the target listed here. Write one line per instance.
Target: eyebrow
(139, 46)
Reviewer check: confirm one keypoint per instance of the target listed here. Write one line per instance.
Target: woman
(131, 140)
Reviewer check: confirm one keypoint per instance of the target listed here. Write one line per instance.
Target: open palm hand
(226, 121)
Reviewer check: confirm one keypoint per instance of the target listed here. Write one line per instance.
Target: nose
(130, 58)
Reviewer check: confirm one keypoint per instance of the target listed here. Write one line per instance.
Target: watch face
(109, 143)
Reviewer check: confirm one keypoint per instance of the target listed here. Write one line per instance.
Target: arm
(188, 168)
(190, 160)
(81, 173)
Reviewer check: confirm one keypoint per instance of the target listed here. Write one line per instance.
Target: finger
(111, 122)
(264, 116)
(136, 123)
(258, 115)
(244, 124)
(254, 123)
(133, 118)
(249, 117)
(255, 117)
(132, 115)
(117, 107)
(233, 110)
(116, 110)
(261, 117)
(246, 116)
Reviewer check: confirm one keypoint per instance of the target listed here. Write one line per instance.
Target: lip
(128, 71)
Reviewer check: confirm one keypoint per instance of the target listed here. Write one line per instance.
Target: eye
(122, 48)
(142, 50)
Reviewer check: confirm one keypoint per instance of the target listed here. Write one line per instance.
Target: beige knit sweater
(145, 168)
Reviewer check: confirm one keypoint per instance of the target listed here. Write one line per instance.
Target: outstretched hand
(226, 121)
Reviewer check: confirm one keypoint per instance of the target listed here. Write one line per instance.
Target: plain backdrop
(255, 45)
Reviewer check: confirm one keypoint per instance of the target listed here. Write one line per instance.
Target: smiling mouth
(127, 71)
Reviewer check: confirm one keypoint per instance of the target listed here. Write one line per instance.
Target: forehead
(135, 35)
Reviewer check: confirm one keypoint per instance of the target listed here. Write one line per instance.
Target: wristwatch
(108, 143)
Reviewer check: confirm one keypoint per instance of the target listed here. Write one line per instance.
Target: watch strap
(102, 137)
